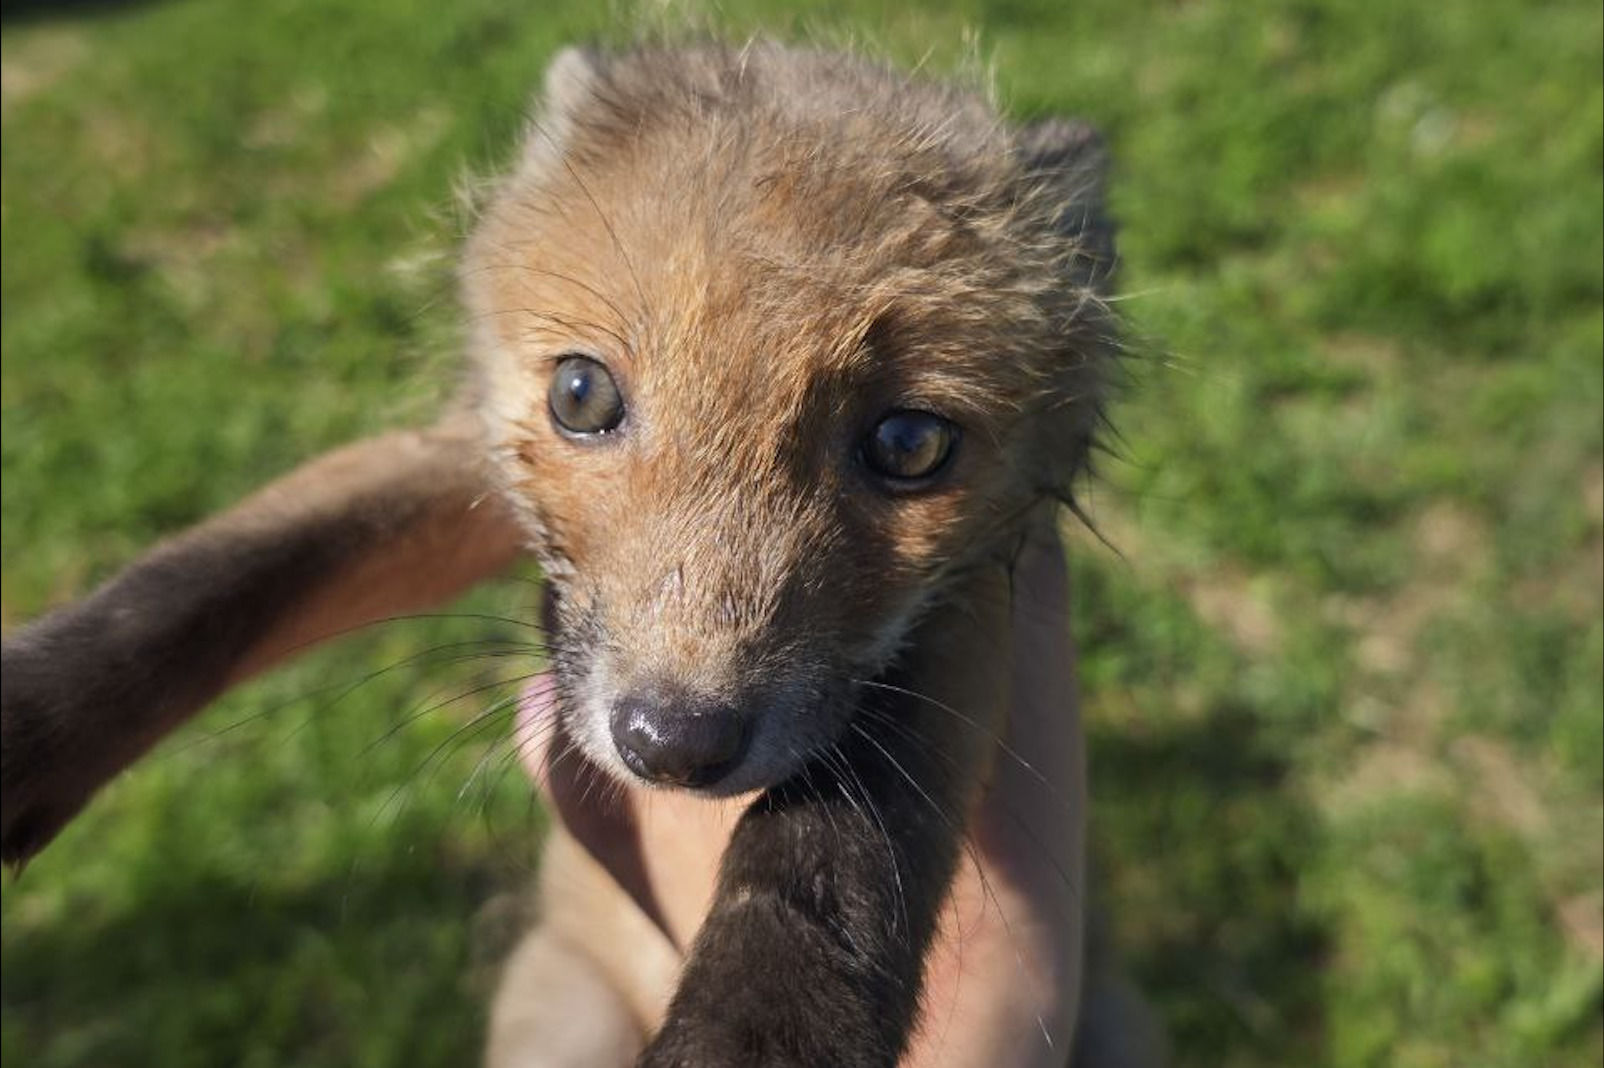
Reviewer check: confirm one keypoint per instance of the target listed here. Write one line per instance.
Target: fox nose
(678, 742)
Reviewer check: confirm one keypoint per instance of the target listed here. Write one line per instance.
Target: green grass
(1344, 686)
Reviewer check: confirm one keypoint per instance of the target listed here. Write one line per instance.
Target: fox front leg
(831, 886)
(384, 526)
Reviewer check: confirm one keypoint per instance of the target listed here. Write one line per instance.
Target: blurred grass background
(1344, 686)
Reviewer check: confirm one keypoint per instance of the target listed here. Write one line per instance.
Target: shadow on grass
(24, 11)
(369, 967)
(1198, 831)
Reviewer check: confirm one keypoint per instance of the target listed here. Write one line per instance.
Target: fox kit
(778, 358)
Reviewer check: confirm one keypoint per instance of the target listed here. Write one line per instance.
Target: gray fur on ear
(1069, 159)
(571, 80)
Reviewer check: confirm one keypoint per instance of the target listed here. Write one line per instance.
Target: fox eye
(909, 445)
(583, 397)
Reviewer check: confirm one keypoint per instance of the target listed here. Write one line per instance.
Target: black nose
(678, 741)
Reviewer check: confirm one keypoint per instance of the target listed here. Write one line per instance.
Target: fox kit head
(771, 344)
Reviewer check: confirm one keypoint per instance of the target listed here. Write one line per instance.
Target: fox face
(767, 359)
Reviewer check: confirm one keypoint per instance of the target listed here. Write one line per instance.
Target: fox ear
(1068, 161)
(572, 78)
(1063, 165)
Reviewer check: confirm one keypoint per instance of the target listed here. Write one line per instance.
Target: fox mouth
(547, 731)
(662, 736)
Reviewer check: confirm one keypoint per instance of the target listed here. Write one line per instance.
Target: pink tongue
(537, 711)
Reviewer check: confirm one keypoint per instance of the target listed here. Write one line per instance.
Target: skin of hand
(1002, 976)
